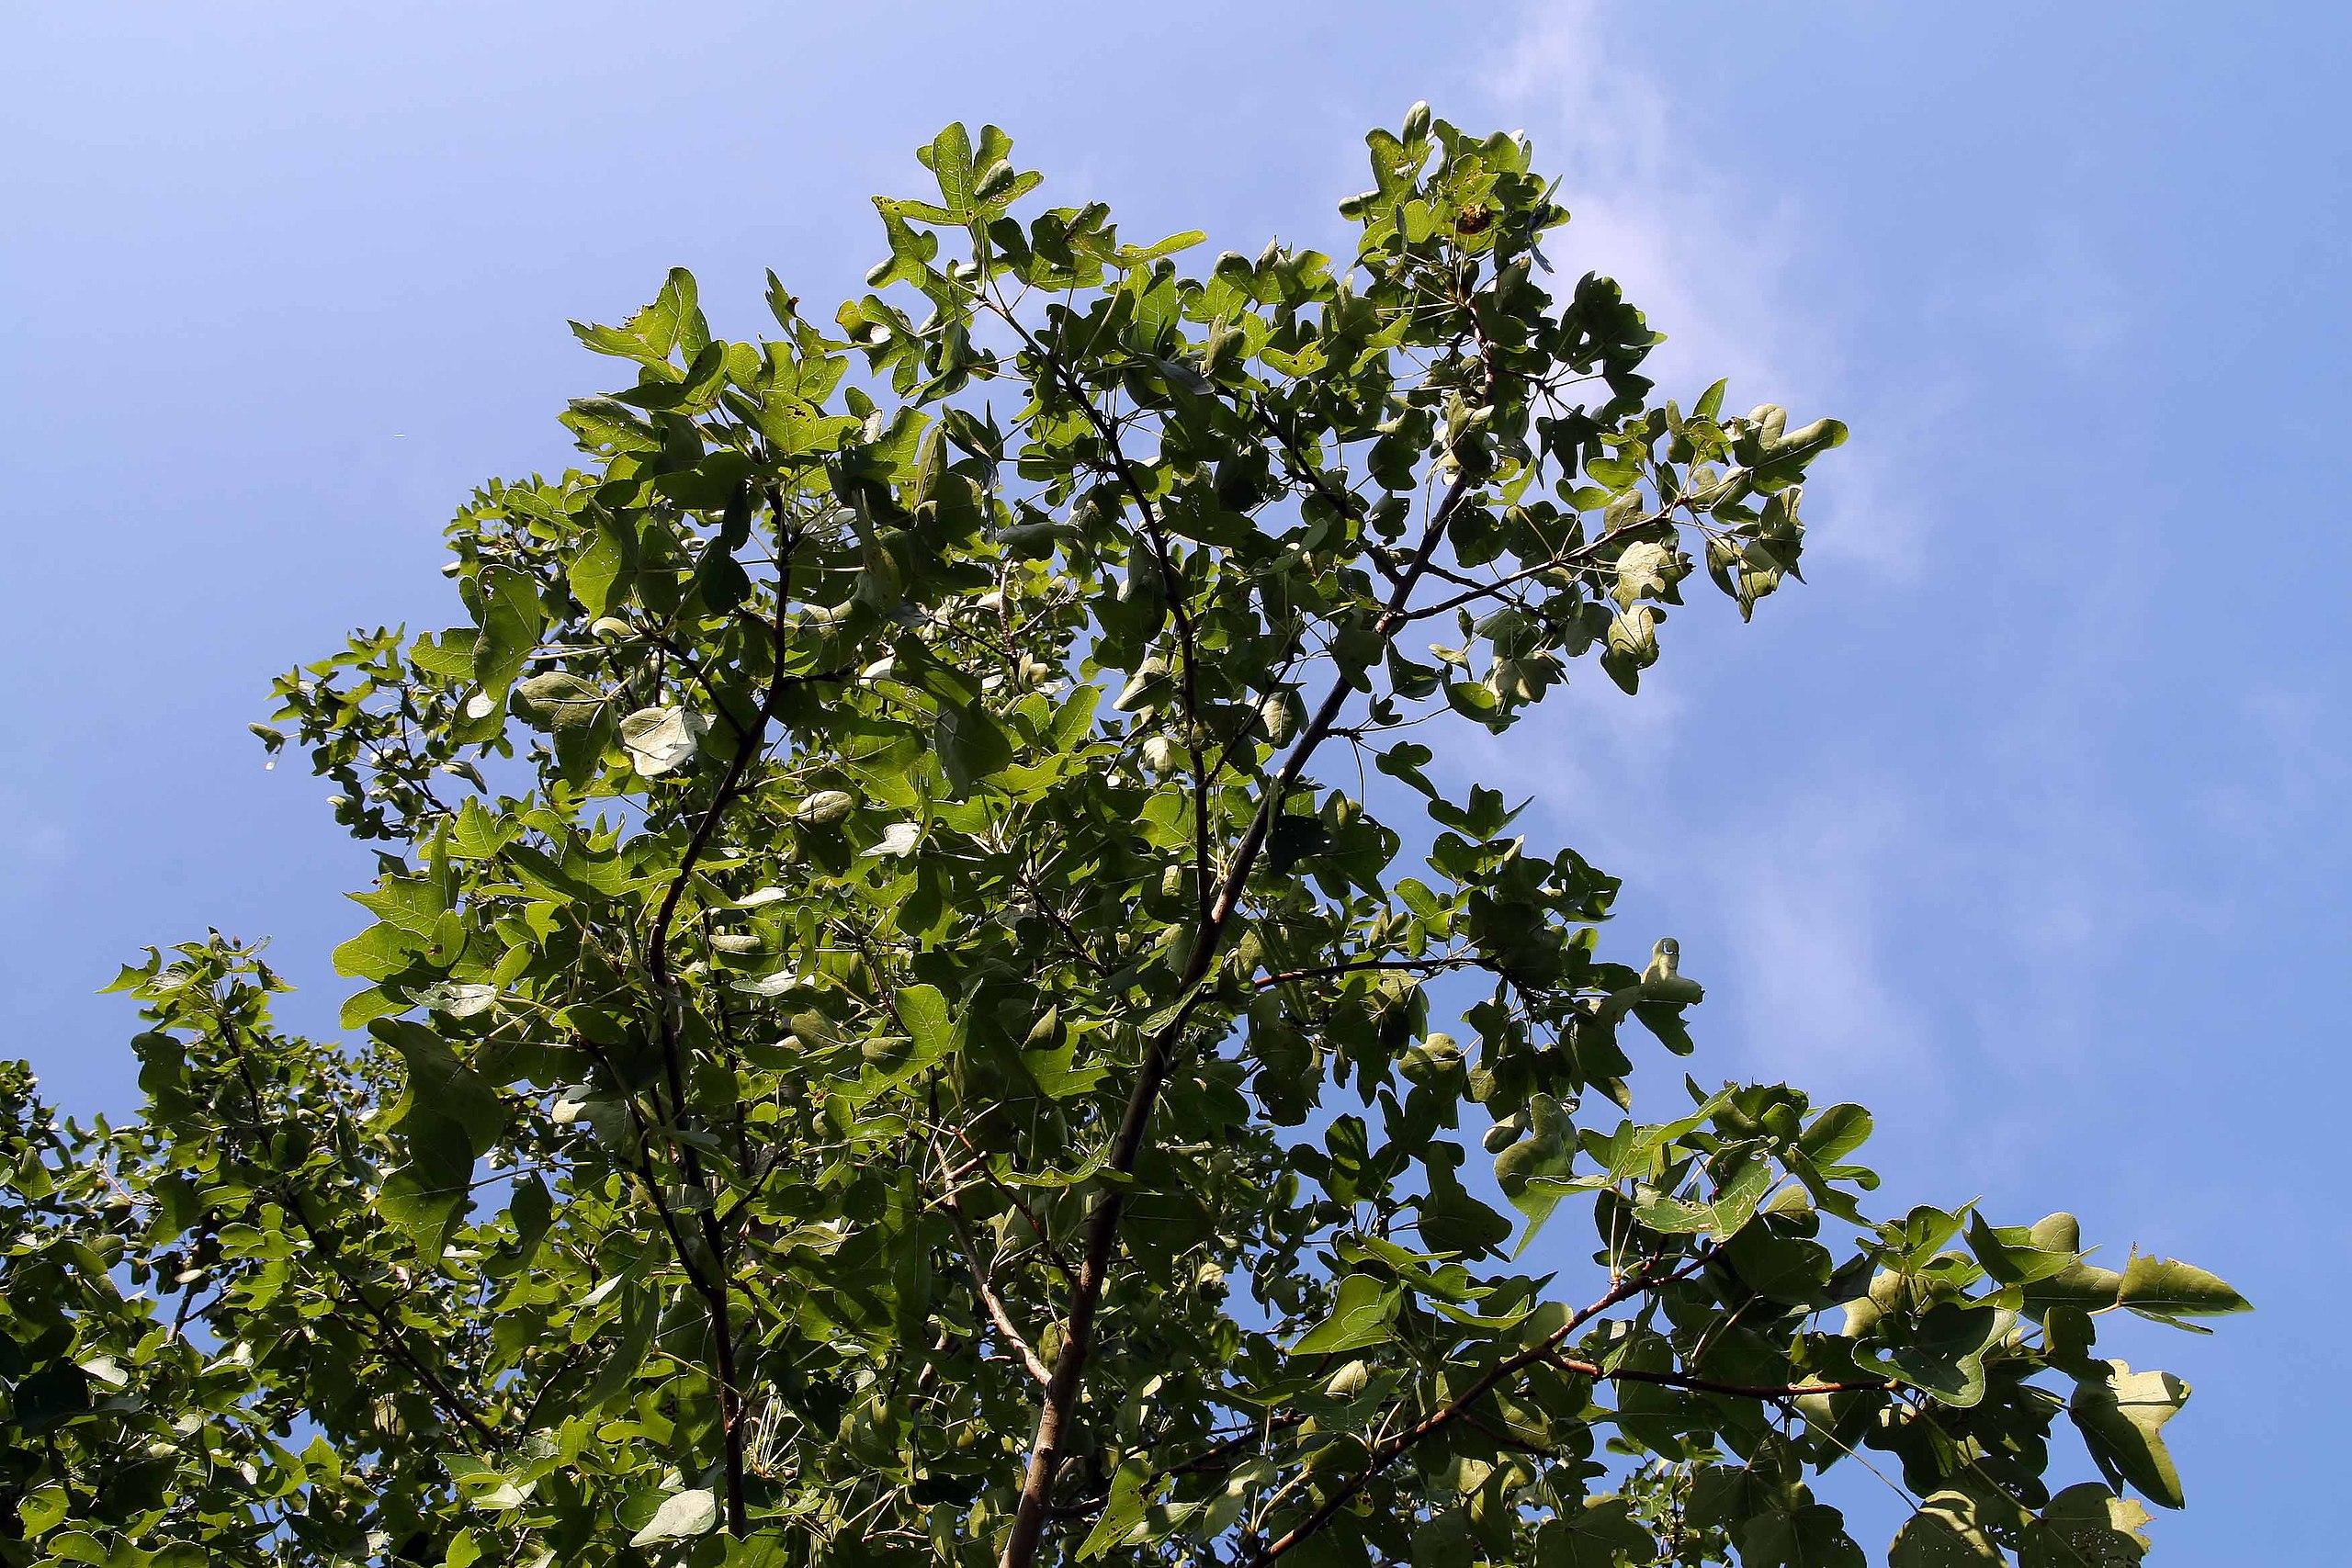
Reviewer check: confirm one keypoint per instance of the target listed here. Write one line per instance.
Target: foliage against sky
(891, 1036)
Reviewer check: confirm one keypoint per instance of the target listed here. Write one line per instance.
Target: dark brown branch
(1709, 1385)
(950, 1198)
(564, 1364)
(734, 1062)
(1060, 922)
(1102, 1218)
(702, 678)
(1354, 966)
(1576, 560)
(188, 1290)
(1505, 1439)
(1386, 1452)
(1107, 430)
(752, 742)
(1304, 473)
(979, 1161)
(1226, 1454)
(395, 1340)
(642, 1168)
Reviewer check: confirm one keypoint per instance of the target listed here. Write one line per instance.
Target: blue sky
(2023, 823)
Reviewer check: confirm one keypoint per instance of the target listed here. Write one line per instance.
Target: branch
(1223, 1456)
(998, 1313)
(1505, 1439)
(1577, 558)
(979, 1161)
(394, 1341)
(188, 1290)
(1107, 430)
(1444, 1415)
(564, 1364)
(661, 640)
(1305, 473)
(1709, 1385)
(1354, 966)
(1102, 1218)
(752, 741)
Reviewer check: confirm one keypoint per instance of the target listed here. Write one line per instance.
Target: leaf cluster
(895, 1024)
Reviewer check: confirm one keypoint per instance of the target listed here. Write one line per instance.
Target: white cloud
(1831, 888)
(2286, 775)
(1720, 268)
(1810, 906)
(39, 844)
(1646, 211)
(1591, 748)
(2049, 286)
(1798, 894)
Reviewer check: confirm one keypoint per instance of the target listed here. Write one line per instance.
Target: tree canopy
(931, 987)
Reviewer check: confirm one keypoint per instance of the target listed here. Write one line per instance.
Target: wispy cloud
(38, 846)
(1811, 904)
(1801, 903)
(1929, 910)
(1713, 265)
(2049, 285)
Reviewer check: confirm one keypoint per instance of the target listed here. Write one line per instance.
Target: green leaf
(1644, 570)
(923, 1011)
(1944, 1533)
(600, 570)
(378, 953)
(1361, 1317)
(2086, 1526)
(1057, 1074)
(674, 319)
(1786, 458)
(1808, 1535)
(1454, 1220)
(972, 746)
(447, 1116)
(1780, 1268)
(2169, 1288)
(1613, 474)
(557, 700)
(42, 1510)
(1134, 256)
(1598, 1533)
(1124, 1517)
(511, 622)
(1836, 1133)
(662, 740)
(681, 1516)
(1722, 1213)
(604, 425)
(2121, 1414)
(949, 158)
(1632, 646)
(458, 998)
(1943, 1352)
(437, 1085)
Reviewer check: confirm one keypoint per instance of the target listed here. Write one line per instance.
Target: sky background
(2023, 823)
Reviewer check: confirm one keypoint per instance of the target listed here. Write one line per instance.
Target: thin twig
(1387, 1450)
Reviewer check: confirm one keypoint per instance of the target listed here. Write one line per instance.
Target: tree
(884, 1040)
